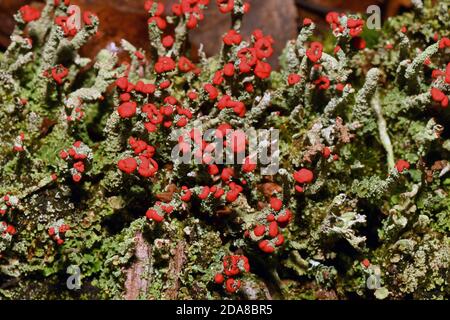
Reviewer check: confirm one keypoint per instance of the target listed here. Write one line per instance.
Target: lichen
(357, 205)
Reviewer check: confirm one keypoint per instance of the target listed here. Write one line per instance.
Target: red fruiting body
(340, 87)
(266, 246)
(276, 204)
(307, 22)
(127, 165)
(219, 193)
(447, 74)
(228, 69)
(232, 38)
(11, 230)
(227, 174)
(259, 230)
(326, 152)
(187, 195)
(160, 22)
(285, 217)
(402, 165)
(185, 65)
(444, 43)
(29, 13)
(127, 109)
(192, 95)
(122, 83)
(263, 70)
(168, 41)
(273, 229)
(125, 97)
(365, 263)
(230, 265)
(293, 79)
(222, 130)
(213, 169)
(59, 73)
(225, 6)
(314, 53)
(263, 47)
(79, 166)
(323, 82)
(164, 64)
(355, 26)
(438, 96)
(231, 196)
(204, 194)
(148, 5)
(139, 55)
(211, 90)
(232, 285)
(153, 215)
(304, 176)
(165, 84)
(332, 18)
(218, 78)
(87, 18)
(249, 165)
(280, 240)
(219, 278)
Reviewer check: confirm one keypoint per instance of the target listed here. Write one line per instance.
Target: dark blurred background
(280, 18)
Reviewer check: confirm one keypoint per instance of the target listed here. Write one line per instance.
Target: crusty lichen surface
(359, 207)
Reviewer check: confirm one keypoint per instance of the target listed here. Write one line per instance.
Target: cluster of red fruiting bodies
(227, 193)
(190, 10)
(7, 205)
(233, 266)
(58, 73)
(352, 29)
(71, 31)
(57, 231)
(18, 143)
(142, 161)
(166, 115)
(436, 94)
(267, 233)
(248, 61)
(6, 230)
(29, 14)
(77, 156)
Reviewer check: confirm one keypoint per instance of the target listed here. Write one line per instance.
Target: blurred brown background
(127, 19)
